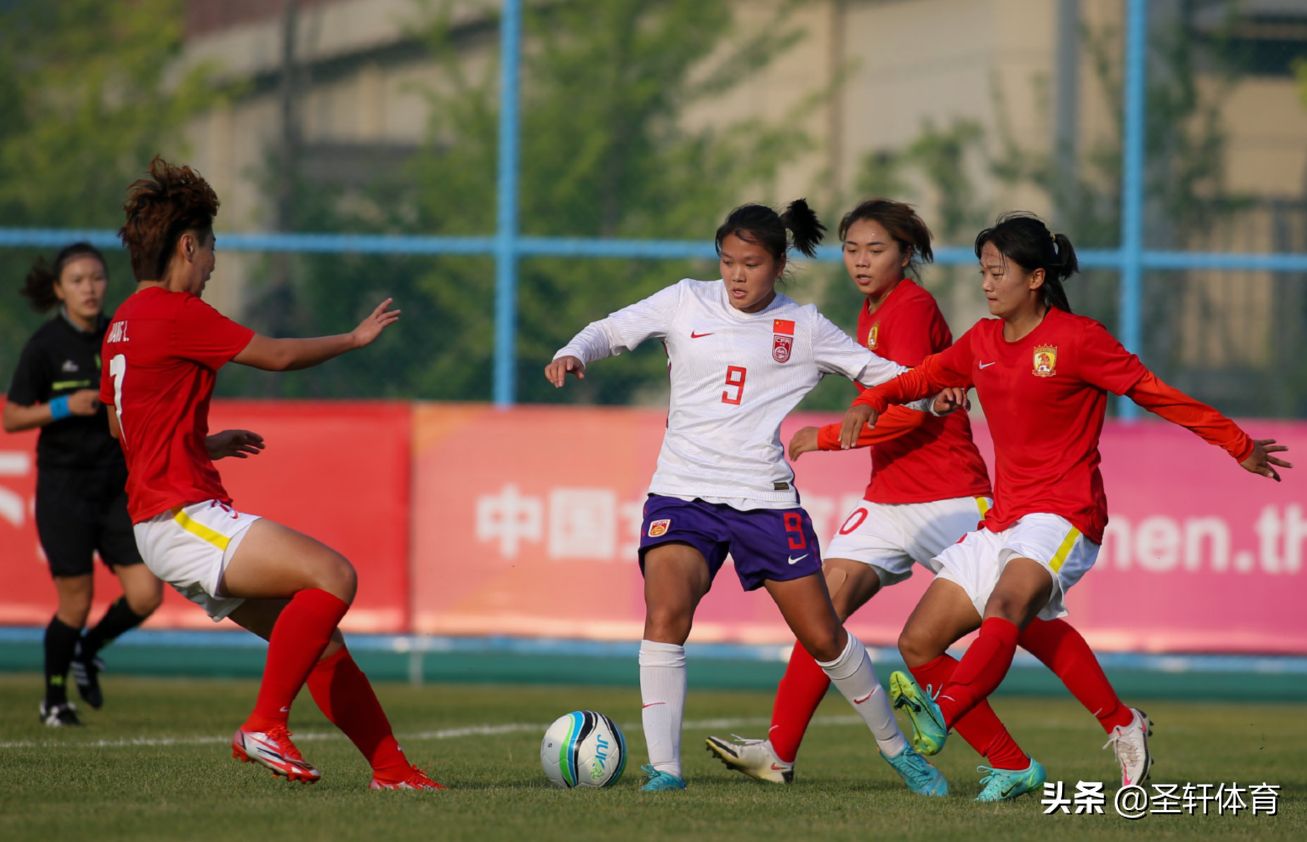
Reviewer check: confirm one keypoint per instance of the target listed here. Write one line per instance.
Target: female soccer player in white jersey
(741, 357)
(1042, 375)
(928, 488)
(162, 353)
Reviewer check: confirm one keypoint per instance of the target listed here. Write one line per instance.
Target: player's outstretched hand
(371, 327)
(951, 398)
(804, 441)
(1261, 461)
(858, 416)
(84, 402)
(556, 372)
(241, 444)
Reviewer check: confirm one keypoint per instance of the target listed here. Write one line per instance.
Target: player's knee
(667, 624)
(915, 647)
(826, 648)
(144, 602)
(338, 578)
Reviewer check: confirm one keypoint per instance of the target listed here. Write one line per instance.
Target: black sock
(60, 641)
(118, 619)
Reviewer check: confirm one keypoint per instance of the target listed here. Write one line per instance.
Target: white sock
(662, 691)
(855, 677)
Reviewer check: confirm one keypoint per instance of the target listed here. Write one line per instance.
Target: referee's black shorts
(79, 511)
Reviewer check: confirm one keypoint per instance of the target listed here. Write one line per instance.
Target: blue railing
(508, 246)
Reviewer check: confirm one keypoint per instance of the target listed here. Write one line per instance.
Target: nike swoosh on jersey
(694, 335)
(799, 559)
(987, 365)
(864, 698)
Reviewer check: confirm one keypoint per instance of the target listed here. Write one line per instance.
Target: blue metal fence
(508, 246)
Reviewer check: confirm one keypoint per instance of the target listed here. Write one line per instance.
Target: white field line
(441, 734)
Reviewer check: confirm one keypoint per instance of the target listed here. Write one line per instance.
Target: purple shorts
(765, 544)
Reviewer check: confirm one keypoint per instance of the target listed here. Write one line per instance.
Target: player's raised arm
(621, 331)
(268, 354)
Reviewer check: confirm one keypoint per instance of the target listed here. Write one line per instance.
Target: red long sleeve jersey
(915, 457)
(1045, 396)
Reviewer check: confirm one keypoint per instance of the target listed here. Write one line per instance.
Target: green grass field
(154, 764)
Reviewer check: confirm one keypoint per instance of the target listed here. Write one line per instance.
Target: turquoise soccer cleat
(656, 781)
(1006, 784)
(928, 731)
(917, 772)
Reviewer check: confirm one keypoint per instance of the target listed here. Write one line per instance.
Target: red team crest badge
(782, 339)
(659, 528)
(1045, 360)
(873, 336)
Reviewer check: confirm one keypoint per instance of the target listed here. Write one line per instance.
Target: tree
(86, 106)
(606, 153)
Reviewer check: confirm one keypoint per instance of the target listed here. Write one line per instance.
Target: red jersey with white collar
(161, 354)
(936, 459)
(1045, 396)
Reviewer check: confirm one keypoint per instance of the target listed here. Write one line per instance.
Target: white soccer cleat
(754, 758)
(1130, 743)
(273, 749)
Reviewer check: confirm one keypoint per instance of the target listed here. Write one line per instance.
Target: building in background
(332, 92)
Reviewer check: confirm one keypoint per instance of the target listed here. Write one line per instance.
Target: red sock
(981, 728)
(344, 695)
(1061, 648)
(801, 690)
(298, 638)
(981, 670)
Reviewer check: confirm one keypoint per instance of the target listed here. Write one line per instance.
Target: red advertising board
(526, 523)
(464, 519)
(336, 471)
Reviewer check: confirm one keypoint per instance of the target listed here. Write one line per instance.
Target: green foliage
(606, 152)
(86, 101)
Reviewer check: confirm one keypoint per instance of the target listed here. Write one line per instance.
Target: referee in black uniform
(81, 504)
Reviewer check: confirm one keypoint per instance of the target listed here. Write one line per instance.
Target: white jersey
(735, 376)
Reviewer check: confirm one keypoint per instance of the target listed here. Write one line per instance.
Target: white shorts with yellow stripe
(976, 562)
(189, 548)
(891, 537)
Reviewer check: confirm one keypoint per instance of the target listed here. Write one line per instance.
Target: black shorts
(79, 511)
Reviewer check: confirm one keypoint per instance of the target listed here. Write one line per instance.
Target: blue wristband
(59, 408)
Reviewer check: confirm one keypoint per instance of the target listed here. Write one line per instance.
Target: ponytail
(1024, 239)
(38, 286)
(806, 229)
(762, 225)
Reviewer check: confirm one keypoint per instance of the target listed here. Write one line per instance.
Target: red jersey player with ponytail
(162, 353)
(928, 488)
(1042, 375)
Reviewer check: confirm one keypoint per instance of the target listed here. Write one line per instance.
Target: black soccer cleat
(60, 716)
(86, 674)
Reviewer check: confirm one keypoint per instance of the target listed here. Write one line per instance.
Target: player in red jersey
(1042, 375)
(928, 488)
(162, 352)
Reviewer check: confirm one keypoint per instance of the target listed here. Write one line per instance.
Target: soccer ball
(583, 748)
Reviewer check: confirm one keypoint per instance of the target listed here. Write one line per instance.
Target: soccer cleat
(928, 731)
(1130, 743)
(917, 772)
(60, 716)
(86, 674)
(415, 779)
(1006, 784)
(273, 749)
(656, 781)
(755, 758)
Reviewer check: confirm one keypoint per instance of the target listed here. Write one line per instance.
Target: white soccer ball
(583, 748)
